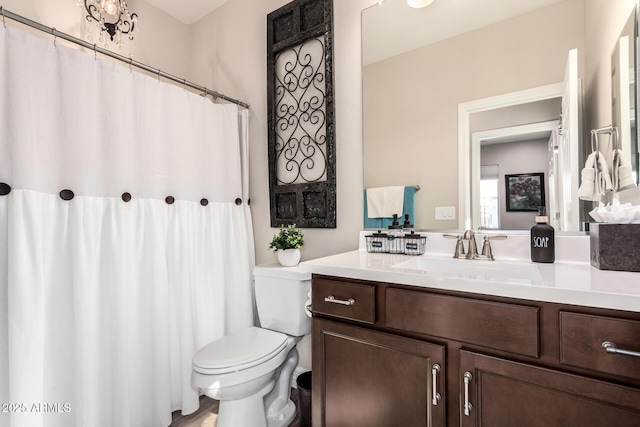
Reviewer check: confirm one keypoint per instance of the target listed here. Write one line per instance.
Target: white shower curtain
(103, 302)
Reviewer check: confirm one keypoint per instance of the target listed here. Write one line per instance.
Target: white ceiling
(393, 27)
(531, 136)
(187, 11)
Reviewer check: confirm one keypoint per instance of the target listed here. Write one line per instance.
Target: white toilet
(249, 372)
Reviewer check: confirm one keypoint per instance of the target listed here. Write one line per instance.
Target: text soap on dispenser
(542, 239)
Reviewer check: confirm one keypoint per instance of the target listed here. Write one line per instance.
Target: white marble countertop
(572, 281)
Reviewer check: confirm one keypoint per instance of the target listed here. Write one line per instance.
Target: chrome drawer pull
(467, 404)
(611, 348)
(434, 372)
(333, 299)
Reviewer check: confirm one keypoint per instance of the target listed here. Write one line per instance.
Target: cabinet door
(505, 393)
(367, 378)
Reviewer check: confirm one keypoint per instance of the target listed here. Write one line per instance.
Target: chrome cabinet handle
(333, 299)
(436, 396)
(467, 404)
(611, 348)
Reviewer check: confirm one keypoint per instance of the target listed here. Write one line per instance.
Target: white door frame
(478, 137)
(465, 154)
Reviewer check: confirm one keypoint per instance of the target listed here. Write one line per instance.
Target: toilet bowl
(250, 371)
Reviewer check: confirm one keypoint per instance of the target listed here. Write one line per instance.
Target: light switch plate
(446, 213)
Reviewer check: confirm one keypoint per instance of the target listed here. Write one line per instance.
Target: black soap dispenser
(395, 236)
(542, 239)
(407, 223)
(395, 227)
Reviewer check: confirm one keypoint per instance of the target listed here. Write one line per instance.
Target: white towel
(383, 202)
(622, 179)
(596, 179)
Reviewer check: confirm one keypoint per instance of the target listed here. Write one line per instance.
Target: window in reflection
(489, 199)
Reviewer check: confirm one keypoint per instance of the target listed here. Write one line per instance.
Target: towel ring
(611, 130)
(615, 142)
(594, 139)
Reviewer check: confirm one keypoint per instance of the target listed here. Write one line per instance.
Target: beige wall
(229, 53)
(604, 19)
(411, 100)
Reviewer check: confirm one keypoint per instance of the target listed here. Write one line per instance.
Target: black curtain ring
(4, 189)
(66, 194)
(169, 200)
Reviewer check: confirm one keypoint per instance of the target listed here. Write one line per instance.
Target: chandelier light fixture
(112, 17)
(419, 3)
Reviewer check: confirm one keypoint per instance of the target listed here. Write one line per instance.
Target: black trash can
(304, 398)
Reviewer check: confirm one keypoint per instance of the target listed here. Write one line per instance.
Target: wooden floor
(207, 415)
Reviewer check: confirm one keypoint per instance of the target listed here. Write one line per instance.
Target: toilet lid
(240, 350)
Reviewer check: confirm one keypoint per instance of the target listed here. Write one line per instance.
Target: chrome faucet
(459, 252)
(472, 247)
(487, 252)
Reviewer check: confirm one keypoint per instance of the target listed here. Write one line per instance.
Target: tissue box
(615, 246)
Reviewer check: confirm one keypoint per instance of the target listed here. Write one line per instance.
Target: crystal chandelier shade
(112, 17)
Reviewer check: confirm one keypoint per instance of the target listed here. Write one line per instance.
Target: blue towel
(384, 223)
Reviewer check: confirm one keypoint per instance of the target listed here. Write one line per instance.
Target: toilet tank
(281, 295)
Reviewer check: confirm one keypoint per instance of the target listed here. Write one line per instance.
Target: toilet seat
(242, 350)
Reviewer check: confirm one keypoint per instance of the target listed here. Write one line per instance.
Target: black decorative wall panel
(302, 179)
(300, 114)
(286, 206)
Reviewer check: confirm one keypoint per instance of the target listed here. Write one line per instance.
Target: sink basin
(499, 271)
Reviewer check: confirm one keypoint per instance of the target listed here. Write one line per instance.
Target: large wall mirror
(421, 65)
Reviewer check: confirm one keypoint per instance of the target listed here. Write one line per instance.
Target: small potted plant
(287, 243)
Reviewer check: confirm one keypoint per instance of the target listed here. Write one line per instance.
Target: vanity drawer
(329, 297)
(581, 338)
(507, 327)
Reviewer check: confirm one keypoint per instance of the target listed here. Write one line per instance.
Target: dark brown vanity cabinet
(374, 379)
(498, 392)
(393, 355)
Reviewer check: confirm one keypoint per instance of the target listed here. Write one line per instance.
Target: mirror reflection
(624, 92)
(486, 66)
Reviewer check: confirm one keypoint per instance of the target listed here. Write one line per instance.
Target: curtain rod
(55, 33)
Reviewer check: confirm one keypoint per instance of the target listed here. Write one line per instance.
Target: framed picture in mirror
(524, 192)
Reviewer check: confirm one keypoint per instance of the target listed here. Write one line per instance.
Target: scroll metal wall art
(302, 173)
